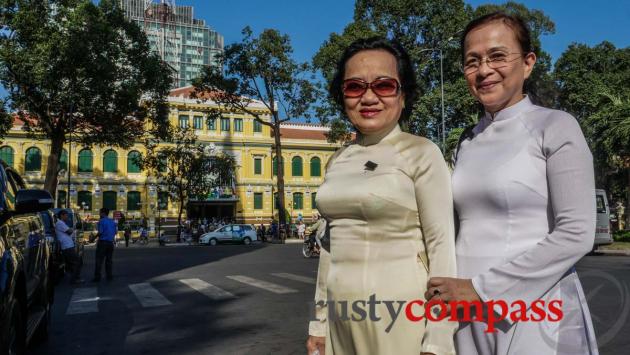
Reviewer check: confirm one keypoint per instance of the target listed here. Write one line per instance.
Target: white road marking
(275, 288)
(209, 290)
(308, 280)
(148, 295)
(84, 300)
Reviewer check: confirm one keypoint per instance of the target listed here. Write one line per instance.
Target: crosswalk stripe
(207, 289)
(84, 300)
(275, 288)
(148, 295)
(308, 280)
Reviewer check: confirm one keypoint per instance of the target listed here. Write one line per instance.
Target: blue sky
(309, 23)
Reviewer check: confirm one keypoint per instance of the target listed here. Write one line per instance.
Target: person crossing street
(105, 245)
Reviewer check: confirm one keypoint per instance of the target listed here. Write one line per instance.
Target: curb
(613, 252)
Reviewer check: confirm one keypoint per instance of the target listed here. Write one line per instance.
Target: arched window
(133, 162)
(162, 163)
(109, 200)
(298, 201)
(296, 166)
(133, 201)
(6, 154)
(63, 160)
(86, 161)
(84, 200)
(110, 161)
(275, 166)
(61, 198)
(316, 166)
(33, 159)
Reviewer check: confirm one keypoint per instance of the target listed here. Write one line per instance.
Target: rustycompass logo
(491, 312)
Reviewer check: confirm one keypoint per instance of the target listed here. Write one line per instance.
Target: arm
(571, 194)
(432, 184)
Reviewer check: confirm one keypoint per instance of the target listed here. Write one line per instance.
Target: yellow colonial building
(108, 176)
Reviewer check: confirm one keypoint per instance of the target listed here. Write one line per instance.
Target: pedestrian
(64, 236)
(127, 233)
(387, 199)
(523, 188)
(263, 232)
(105, 245)
(301, 228)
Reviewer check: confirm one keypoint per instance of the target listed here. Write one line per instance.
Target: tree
(594, 84)
(185, 169)
(423, 27)
(75, 68)
(260, 70)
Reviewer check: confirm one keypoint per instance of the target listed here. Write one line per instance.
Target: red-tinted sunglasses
(383, 87)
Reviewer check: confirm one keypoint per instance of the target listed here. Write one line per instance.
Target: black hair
(515, 23)
(104, 210)
(61, 213)
(406, 71)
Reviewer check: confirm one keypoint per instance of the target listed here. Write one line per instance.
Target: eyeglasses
(495, 61)
(353, 88)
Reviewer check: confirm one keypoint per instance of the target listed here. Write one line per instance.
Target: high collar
(371, 139)
(511, 111)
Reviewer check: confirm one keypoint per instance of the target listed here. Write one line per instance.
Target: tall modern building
(187, 44)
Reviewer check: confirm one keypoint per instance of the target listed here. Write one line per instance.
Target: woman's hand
(316, 343)
(451, 289)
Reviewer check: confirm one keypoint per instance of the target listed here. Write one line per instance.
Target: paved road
(235, 299)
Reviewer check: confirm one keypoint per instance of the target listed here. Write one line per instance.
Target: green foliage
(76, 67)
(594, 83)
(622, 236)
(424, 27)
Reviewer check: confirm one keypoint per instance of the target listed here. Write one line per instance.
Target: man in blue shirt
(105, 245)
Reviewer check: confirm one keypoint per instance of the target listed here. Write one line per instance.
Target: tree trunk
(179, 219)
(52, 168)
(627, 211)
(280, 181)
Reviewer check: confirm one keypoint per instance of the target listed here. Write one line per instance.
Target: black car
(26, 288)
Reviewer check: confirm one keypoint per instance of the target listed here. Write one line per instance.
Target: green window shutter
(316, 167)
(133, 165)
(257, 166)
(225, 124)
(33, 159)
(109, 200)
(198, 122)
(61, 198)
(258, 200)
(257, 126)
(183, 121)
(110, 161)
(63, 160)
(85, 161)
(133, 201)
(298, 201)
(85, 199)
(163, 200)
(275, 166)
(212, 124)
(313, 200)
(238, 125)
(296, 166)
(6, 154)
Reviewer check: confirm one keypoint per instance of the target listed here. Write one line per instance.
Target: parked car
(26, 287)
(602, 226)
(232, 233)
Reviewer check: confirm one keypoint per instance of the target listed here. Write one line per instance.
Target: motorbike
(310, 247)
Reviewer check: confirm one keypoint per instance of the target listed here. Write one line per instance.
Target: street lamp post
(441, 51)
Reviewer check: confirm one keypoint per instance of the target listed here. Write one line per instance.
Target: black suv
(26, 288)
